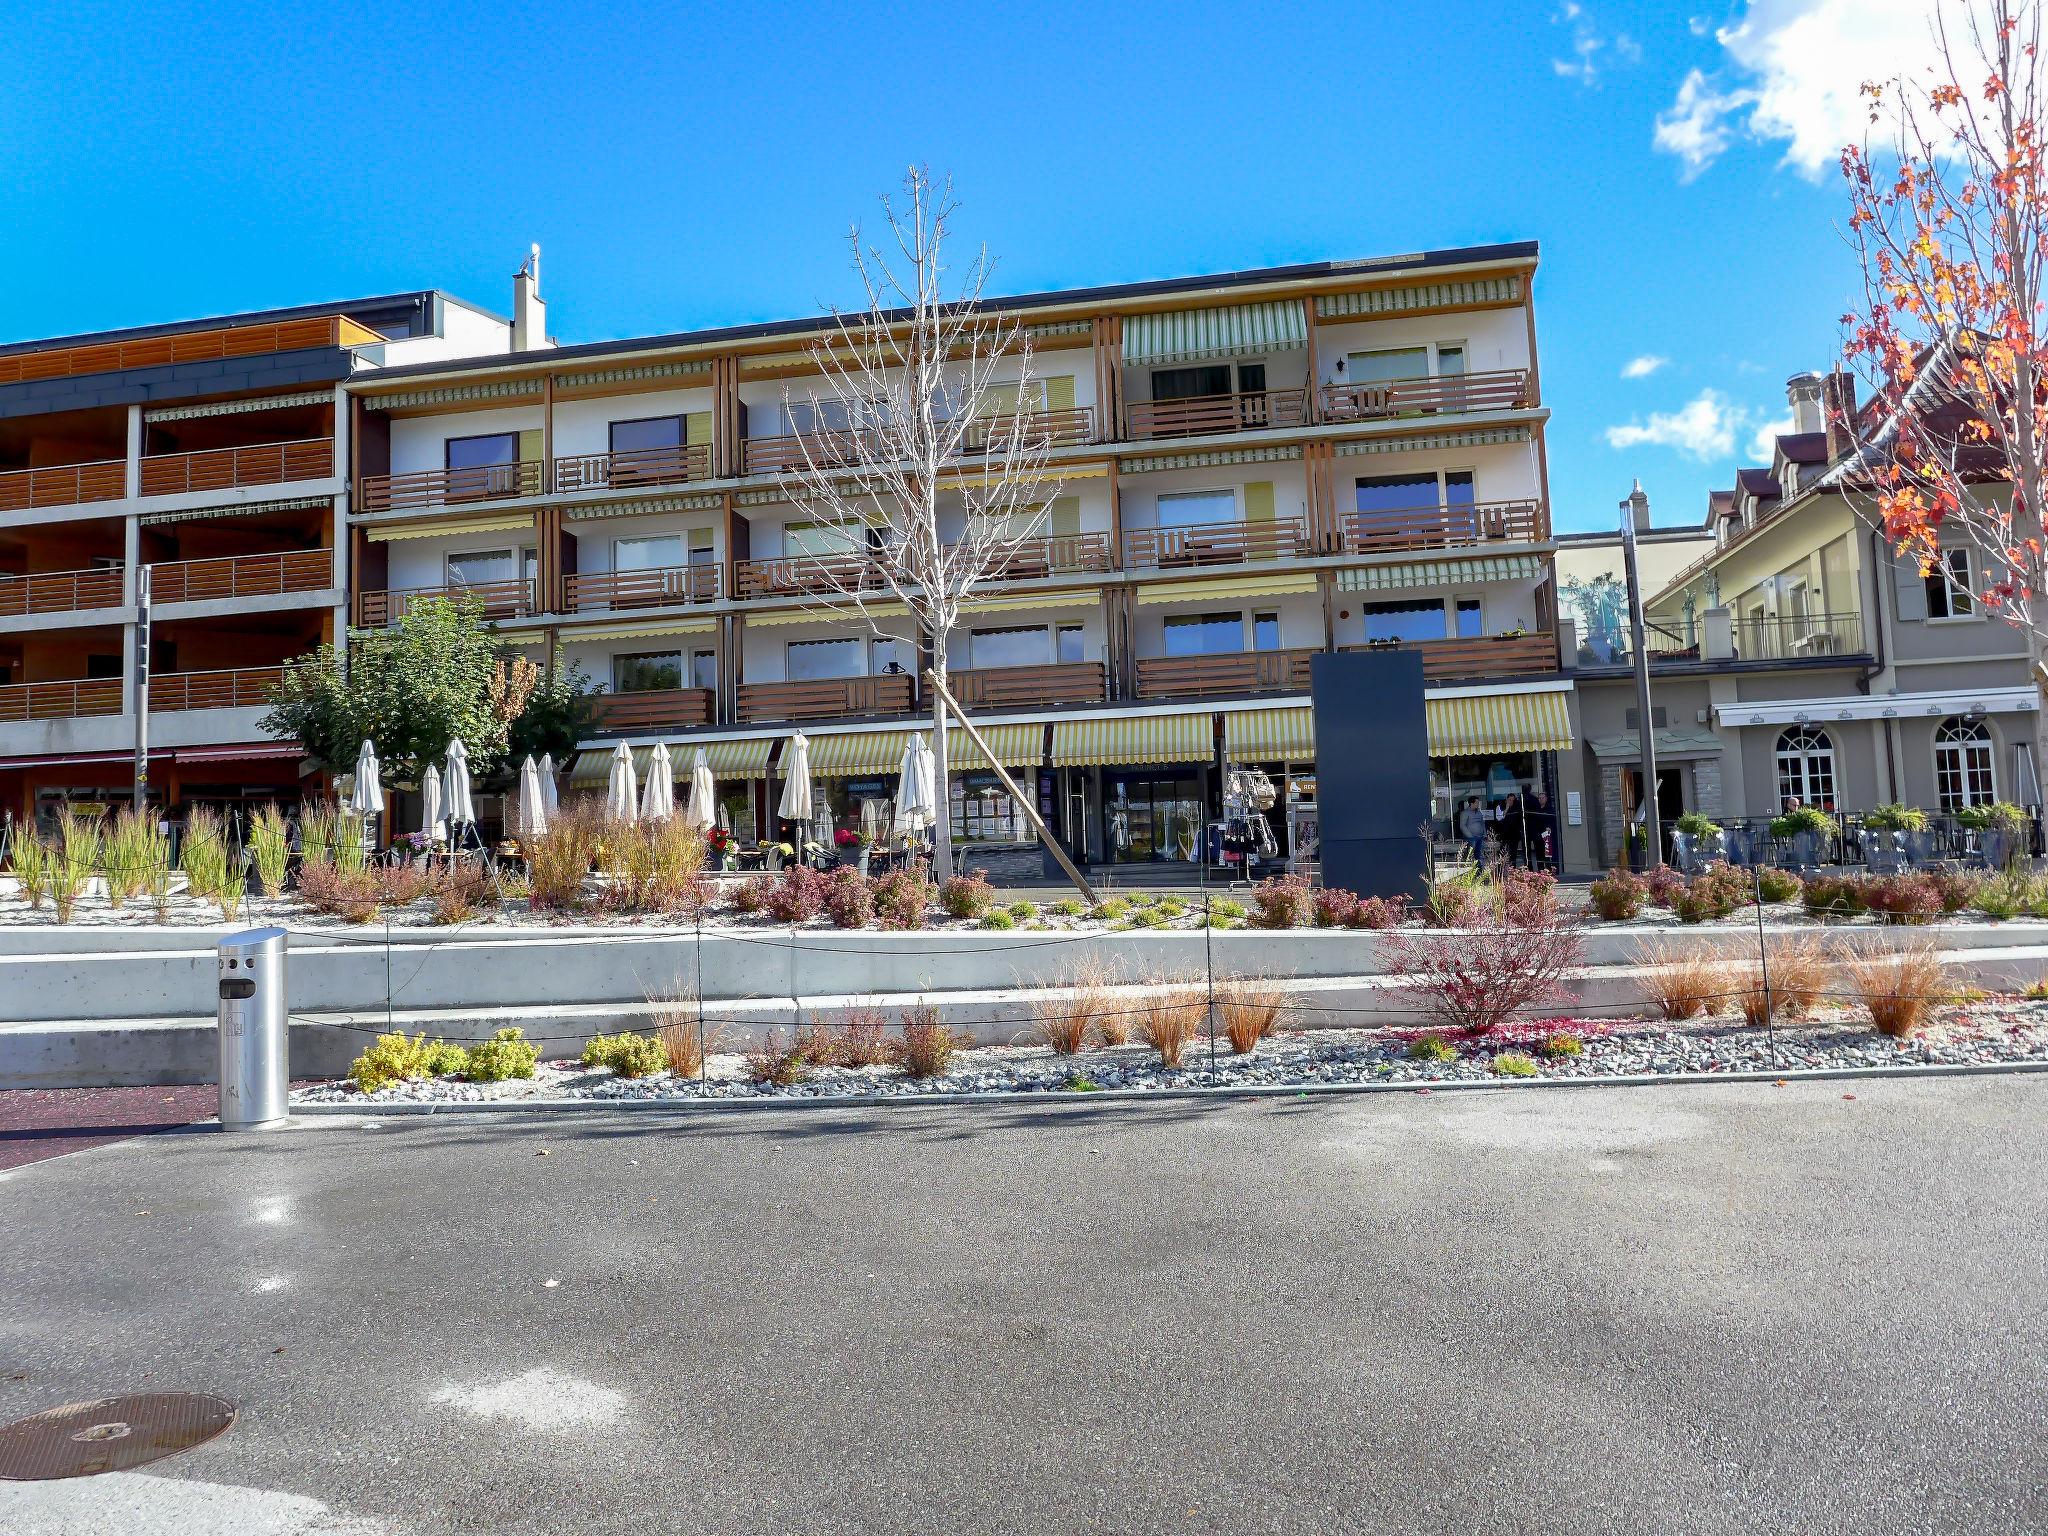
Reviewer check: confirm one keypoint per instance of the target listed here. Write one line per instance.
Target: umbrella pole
(1028, 803)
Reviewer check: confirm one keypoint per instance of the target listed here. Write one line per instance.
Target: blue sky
(685, 166)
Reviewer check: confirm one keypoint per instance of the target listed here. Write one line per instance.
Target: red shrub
(798, 896)
(968, 895)
(901, 898)
(1618, 896)
(1379, 912)
(1662, 883)
(1478, 977)
(1285, 902)
(1333, 907)
(1904, 898)
(849, 901)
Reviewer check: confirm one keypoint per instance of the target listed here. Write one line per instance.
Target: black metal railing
(1749, 841)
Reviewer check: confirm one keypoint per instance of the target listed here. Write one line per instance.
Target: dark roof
(1516, 250)
(1719, 504)
(1804, 447)
(1758, 483)
(380, 305)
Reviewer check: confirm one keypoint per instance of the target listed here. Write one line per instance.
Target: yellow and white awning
(1090, 598)
(853, 753)
(644, 631)
(1268, 735)
(1241, 586)
(843, 612)
(1015, 746)
(727, 760)
(1498, 722)
(1145, 739)
(384, 533)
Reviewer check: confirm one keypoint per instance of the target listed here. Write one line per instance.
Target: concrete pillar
(132, 477)
(1568, 642)
(1717, 635)
(131, 564)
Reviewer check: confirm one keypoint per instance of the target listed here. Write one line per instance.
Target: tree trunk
(942, 812)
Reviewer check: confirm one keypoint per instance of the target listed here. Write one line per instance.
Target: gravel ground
(1977, 1035)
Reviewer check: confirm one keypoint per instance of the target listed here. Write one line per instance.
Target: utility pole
(141, 688)
(1633, 510)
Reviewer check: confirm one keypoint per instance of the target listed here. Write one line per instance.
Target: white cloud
(1703, 428)
(1798, 69)
(1765, 441)
(1642, 367)
(1590, 48)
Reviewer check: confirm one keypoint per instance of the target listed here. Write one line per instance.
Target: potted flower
(1697, 839)
(1804, 828)
(2000, 828)
(719, 841)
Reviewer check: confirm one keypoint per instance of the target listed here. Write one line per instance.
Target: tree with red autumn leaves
(1950, 221)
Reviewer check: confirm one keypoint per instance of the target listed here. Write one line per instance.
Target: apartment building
(1797, 658)
(211, 453)
(1253, 467)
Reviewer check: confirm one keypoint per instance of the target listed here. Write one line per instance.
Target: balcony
(795, 451)
(63, 485)
(272, 575)
(1035, 558)
(449, 487)
(186, 347)
(1067, 682)
(1479, 656)
(220, 469)
(657, 709)
(1799, 637)
(1505, 389)
(798, 575)
(1387, 530)
(59, 592)
(240, 688)
(1207, 414)
(1058, 429)
(500, 600)
(663, 587)
(890, 694)
(1173, 677)
(628, 471)
(1215, 543)
(71, 700)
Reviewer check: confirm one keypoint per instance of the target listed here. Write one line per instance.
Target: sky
(685, 166)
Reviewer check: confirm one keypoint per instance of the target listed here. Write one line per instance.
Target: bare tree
(921, 455)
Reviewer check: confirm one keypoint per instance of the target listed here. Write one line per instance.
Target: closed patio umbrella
(550, 795)
(366, 794)
(658, 803)
(533, 810)
(622, 794)
(796, 781)
(430, 805)
(914, 809)
(455, 783)
(703, 795)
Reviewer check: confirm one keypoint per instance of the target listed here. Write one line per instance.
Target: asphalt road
(1732, 1309)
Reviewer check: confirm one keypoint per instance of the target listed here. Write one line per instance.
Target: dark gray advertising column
(1372, 770)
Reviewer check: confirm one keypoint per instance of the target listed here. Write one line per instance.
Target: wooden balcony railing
(662, 587)
(500, 599)
(1483, 656)
(654, 710)
(1066, 682)
(1505, 389)
(640, 466)
(72, 700)
(59, 592)
(795, 575)
(1166, 677)
(240, 688)
(1059, 429)
(1218, 413)
(1049, 553)
(271, 575)
(450, 487)
(187, 347)
(890, 694)
(1215, 543)
(1381, 530)
(219, 469)
(63, 485)
(794, 450)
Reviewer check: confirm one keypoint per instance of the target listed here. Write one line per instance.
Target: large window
(1190, 383)
(1396, 493)
(647, 671)
(818, 539)
(482, 452)
(812, 660)
(1420, 618)
(1962, 764)
(477, 567)
(655, 553)
(647, 432)
(1204, 634)
(1392, 363)
(1950, 594)
(1186, 509)
(1806, 769)
(1019, 647)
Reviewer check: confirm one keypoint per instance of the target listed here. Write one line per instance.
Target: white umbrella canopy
(796, 780)
(366, 794)
(533, 810)
(914, 808)
(430, 803)
(455, 783)
(703, 795)
(550, 795)
(659, 801)
(622, 794)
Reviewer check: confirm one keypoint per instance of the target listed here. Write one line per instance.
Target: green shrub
(1070, 907)
(1078, 1082)
(1779, 885)
(1150, 917)
(2004, 895)
(443, 1058)
(269, 849)
(999, 920)
(31, 858)
(2001, 814)
(1693, 824)
(1894, 817)
(1142, 898)
(1808, 818)
(627, 1054)
(1110, 909)
(1225, 907)
(1514, 1064)
(1172, 906)
(1431, 1048)
(1022, 911)
(1557, 1047)
(506, 1054)
(400, 1058)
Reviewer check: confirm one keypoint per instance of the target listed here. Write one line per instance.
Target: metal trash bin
(254, 1073)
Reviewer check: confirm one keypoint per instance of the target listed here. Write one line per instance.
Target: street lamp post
(1637, 509)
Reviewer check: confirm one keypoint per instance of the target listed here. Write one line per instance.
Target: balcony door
(1204, 634)
(485, 465)
(1191, 383)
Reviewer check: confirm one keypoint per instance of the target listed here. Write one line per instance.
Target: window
(1950, 593)
(1190, 383)
(482, 452)
(1962, 763)
(1415, 619)
(1450, 359)
(1073, 642)
(819, 416)
(1471, 618)
(1204, 634)
(1392, 363)
(479, 567)
(1459, 489)
(821, 539)
(1265, 631)
(1187, 509)
(647, 432)
(655, 553)
(888, 655)
(704, 669)
(810, 660)
(1397, 493)
(646, 672)
(1806, 768)
(1016, 647)
(700, 547)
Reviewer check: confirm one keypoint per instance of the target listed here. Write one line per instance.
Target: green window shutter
(700, 538)
(998, 400)
(697, 429)
(1059, 393)
(529, 447)
(1063, 517)
(1258, 508)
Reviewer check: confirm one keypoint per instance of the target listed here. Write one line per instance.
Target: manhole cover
(109, 1435)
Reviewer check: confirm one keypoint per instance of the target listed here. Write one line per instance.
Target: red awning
(250, 753)
(65, 759)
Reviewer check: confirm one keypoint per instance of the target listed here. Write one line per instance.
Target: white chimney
(1804, 390)
(1638, 505)
(529, 309)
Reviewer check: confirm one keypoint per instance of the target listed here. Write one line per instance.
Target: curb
(1130, 1095)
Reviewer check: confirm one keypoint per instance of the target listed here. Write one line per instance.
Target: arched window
(1962, 763)
(1806, 768)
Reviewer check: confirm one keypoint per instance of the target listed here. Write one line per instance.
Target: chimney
(1838, 399)
(1639, 508)
(1804, 390)
(529, 309)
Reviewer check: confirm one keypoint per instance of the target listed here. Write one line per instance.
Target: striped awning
(841, 610)
(1498, 722)
(1016, 746)
(726, 759)
(1440, 573)
(645, 631)
(384, 533)
(1264, 735)
(1242, 586)
(1234, 330)
(1090, 598)
(1146, 739)
(857, 752)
